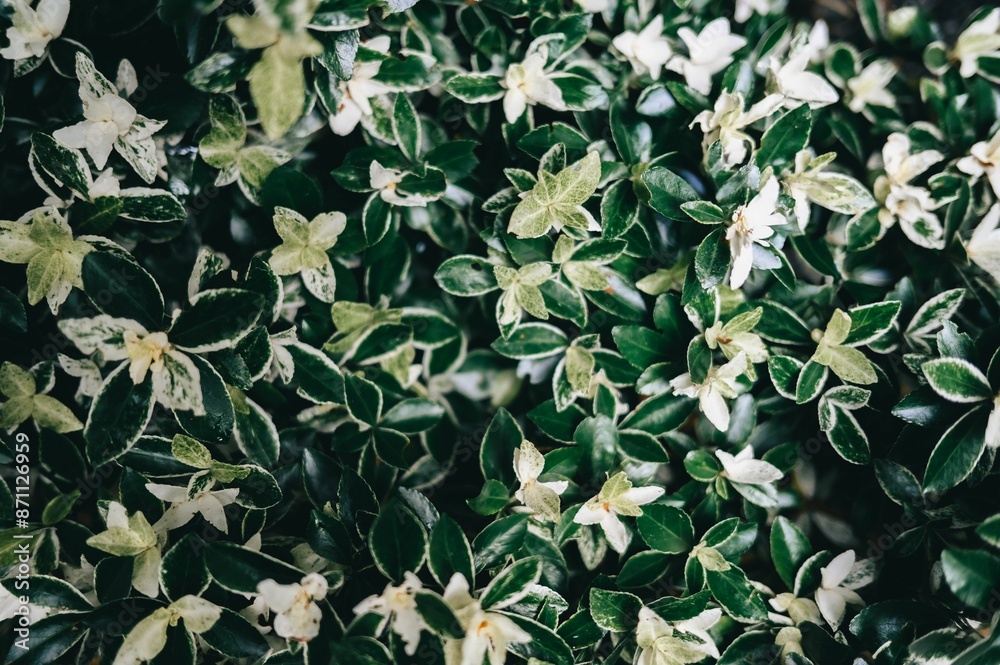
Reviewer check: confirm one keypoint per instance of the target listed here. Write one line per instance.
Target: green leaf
(496, 455)
(59, 508)
(512, 584)
(118, 416)
(50, 638)
(661, 414)
(869, 322)
(736, 595)
(668, 191)
(711, 261)
(240, 570)
(97, 216)
(12, 315)
(255, 433)
(234, 636)
(898, 483)
(816, 253)
(704, 212)
(702, 465)
(957, 380)
(217, 319)
(493, 498)
(397, 541)
(449, 552)
(989, 530)
(406, 127)
(182, 570)
(121, 288)
(498, 540)
(412, 416)
(364, 399)
(619, 209)
(67, 165)
(840, 425)
(532, 341)
(319, 378)
(438, 615)
(476, 88)
(666, 528)
(466, 276)
(143, 204)
(789, 549)
(780, 324)
(545, 645)
(872, 19)
(329, 538)
(957, 453)
(216, 426)
(972, 575)
(784, 138)
(614, 610)
(50, 592)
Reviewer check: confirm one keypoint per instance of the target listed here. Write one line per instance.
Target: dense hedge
(385, 331)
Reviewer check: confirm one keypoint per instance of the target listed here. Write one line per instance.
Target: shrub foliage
(384, 331)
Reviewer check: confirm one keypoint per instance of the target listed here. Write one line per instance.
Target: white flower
(992, 435)
(82, 578)
(800, 86)
(839, 579)
(709, 52)
(912, 206)
(726, 122)
(594, 6)
(106, 118)
(358, 90)
(210, 504)
(176, 379)
(871, 86)
(817, 41)
(646, 51)
(983, 247)
(752, 224)
(33, 29)
(399, 604)
(541, 498)
(743, 468)
(735, 336)
(298, 615)
(713, 391)
(747, 8)
(527, 84)
(617, 497)
(384, 180)
(106, 184)
(797, 609)
(982, 38)
(660, 643)
(110, 123)
(984, 159)
(487, 634)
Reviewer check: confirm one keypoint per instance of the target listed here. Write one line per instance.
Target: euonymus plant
(453, 332)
